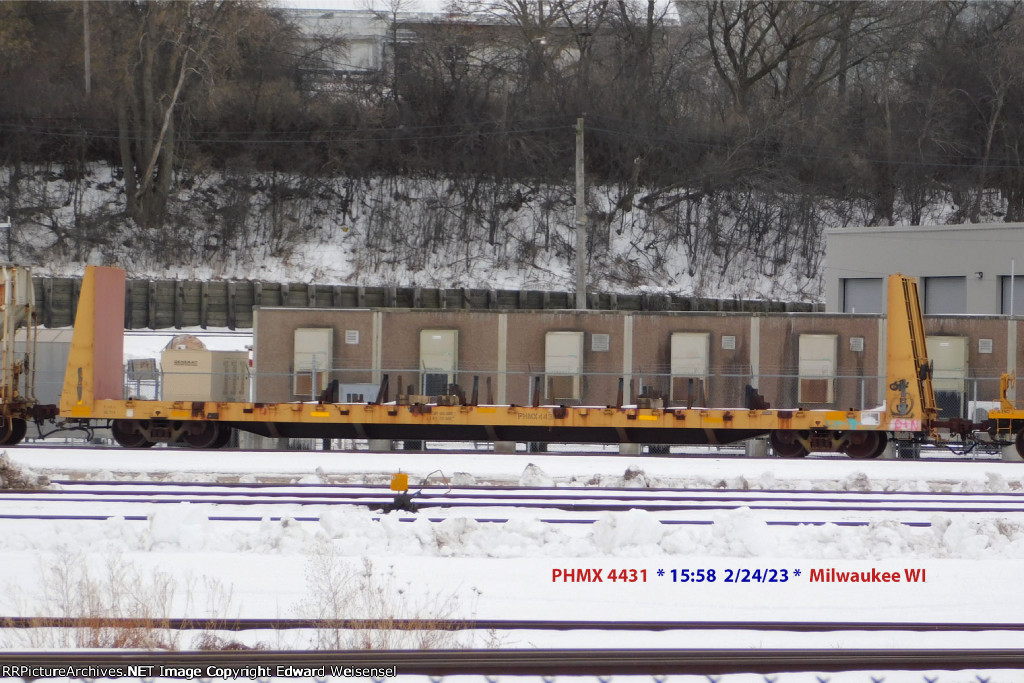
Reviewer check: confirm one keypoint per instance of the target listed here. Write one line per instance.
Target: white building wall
(364, 32)
(981, 253)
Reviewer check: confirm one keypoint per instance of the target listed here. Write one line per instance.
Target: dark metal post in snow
(581, 222)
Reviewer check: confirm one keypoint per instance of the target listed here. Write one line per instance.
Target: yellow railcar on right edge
(1006, 423)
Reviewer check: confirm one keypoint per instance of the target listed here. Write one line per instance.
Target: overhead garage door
(945, 295)
(1017, 304)
(862, 295)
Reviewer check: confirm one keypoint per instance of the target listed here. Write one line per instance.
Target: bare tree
(155, 56)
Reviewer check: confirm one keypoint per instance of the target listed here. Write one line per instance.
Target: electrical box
(690, 363)
(357, 392)
(948, 356)
(140, 370)
(817, 368)
(439, 360)
(311, 364)
(204, 375)
(563, 365)
(949, 362)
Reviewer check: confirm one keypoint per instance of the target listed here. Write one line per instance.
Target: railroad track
(567, 499)
(305, 502)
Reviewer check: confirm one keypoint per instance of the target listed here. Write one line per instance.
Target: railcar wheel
(883, 444)
(204, 434)
(786, 445)
(127, 433)
(6, 430)
(225, 437)
(12, 431)
(863, 445)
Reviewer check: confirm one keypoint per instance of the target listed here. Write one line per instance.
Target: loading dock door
(945, 295)
(439, 359)
(863, 295)
(311, 364)
(949, 373)
(690, 354)
(1012, 303)
(563, 365)
(817, 368)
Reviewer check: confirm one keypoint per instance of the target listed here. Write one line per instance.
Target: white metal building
(963, 269)
(364, 33)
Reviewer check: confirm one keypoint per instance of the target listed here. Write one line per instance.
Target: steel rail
(542, 491)
(668, 495)
(217, 624)
(433, 520)
(526, 662)
(573, 507)
(631, 492)
(582, 501)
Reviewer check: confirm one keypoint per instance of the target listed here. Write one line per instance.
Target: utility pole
(85, 40)
(7, 227)
(581, 223)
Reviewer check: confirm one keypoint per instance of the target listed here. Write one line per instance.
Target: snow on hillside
(431, 232)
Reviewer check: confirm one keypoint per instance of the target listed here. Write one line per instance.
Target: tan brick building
(814, 360)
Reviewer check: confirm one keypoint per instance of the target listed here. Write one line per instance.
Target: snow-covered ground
(334, 563)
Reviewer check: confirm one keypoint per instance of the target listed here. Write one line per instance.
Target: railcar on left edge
(18, 404)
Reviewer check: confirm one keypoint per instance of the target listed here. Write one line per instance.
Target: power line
(282, 137)
(838, 155)
(669, 136)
